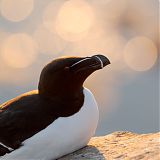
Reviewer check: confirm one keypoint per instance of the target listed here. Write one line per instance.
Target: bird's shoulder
(21, 100)
(22, 117)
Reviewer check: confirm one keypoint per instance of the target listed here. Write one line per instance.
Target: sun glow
(19, 50)
(74, 18)
(71, 20)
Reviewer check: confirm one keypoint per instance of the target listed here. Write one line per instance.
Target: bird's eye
(66, 68)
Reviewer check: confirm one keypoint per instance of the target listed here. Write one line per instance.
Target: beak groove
(90, 63)
(99, 59)
(102, 59)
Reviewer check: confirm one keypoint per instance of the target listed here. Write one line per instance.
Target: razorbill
(58, 118)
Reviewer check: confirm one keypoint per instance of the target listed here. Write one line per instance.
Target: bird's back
(63, 136)
(22, 117)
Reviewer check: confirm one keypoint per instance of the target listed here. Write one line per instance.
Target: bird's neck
(62, 91)
(68, 102)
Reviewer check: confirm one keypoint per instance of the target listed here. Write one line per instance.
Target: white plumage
(63, 136)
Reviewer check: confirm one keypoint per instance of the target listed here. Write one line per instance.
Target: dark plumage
(59, 94)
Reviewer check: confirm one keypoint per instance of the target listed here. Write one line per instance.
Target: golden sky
(33, 32)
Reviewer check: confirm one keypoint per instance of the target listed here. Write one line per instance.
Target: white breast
(63, 136)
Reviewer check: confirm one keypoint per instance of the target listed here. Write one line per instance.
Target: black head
(66, 75)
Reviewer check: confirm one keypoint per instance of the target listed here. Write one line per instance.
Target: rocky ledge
(120, 146)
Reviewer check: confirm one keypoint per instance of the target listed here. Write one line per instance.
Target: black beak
(104, 61)
(90, 63)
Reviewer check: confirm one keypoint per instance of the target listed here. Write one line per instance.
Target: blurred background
(33, 32)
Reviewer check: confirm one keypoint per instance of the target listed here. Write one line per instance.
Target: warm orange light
(16, 10)
(3, 36)
(19, 50)
(140, 53)
(97, 43)
(71, 37)
(75, 17)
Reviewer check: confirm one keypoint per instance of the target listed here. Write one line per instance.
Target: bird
(58, 118)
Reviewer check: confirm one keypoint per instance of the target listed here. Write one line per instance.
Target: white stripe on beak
(100, 61)
(80, 61)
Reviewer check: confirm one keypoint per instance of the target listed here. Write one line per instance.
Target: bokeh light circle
(19, 50)
(75, 16)
(140, 53)
(74, 19)
(71, 19)
(16, 10)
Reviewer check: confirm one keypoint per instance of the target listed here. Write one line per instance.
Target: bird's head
(67, 74)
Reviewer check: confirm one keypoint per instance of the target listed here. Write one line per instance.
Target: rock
(120, 146)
